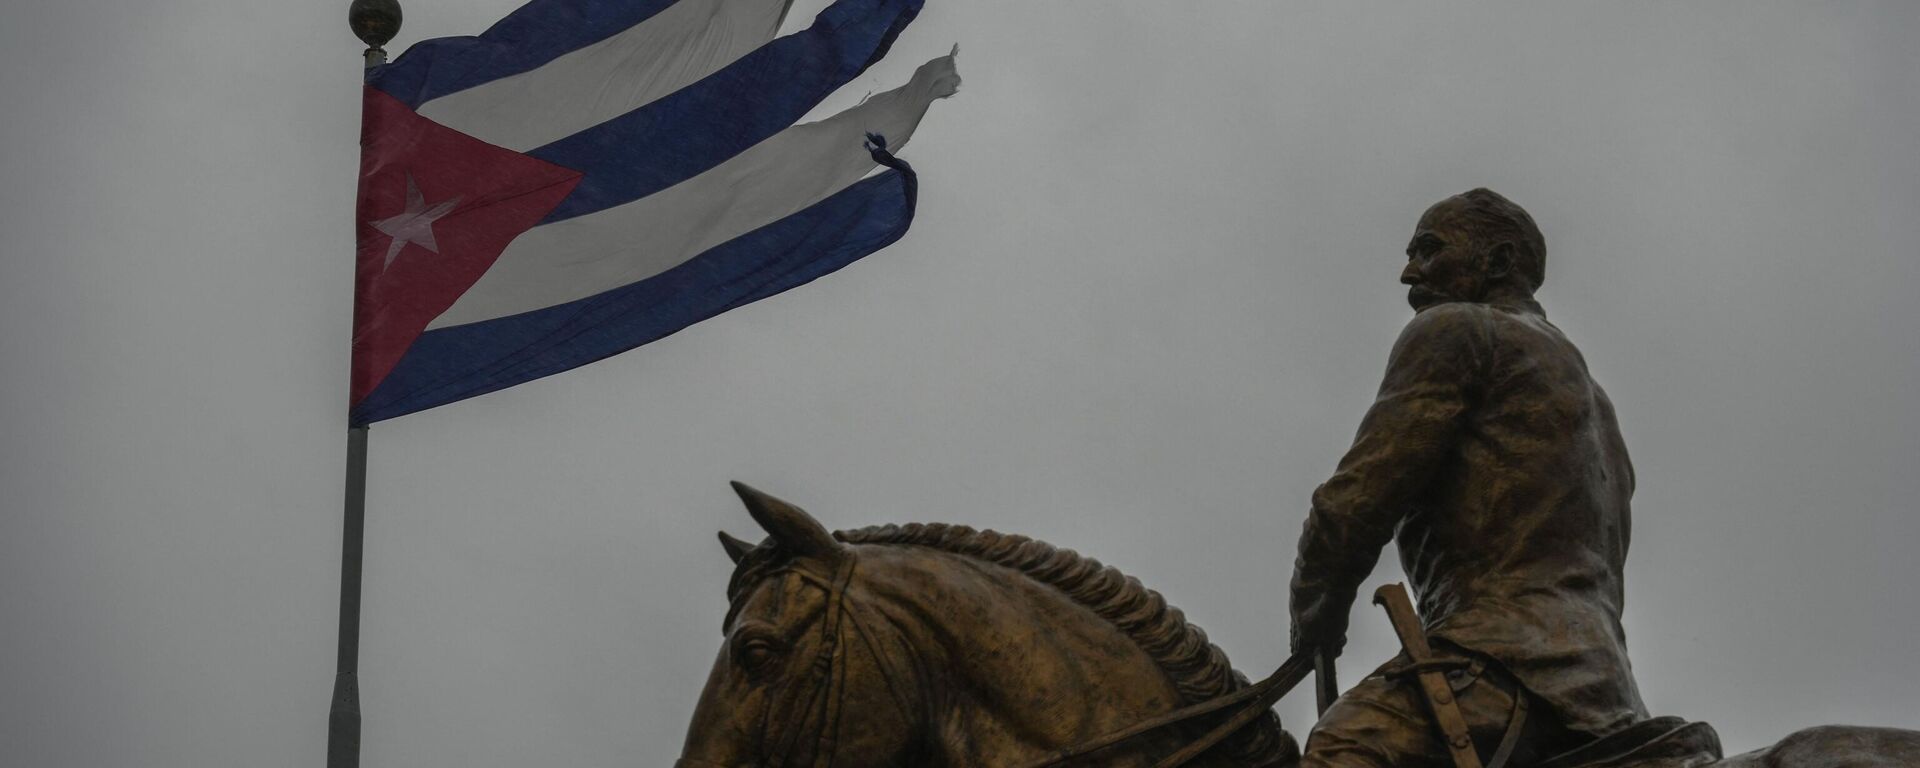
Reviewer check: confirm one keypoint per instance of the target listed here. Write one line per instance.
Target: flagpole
(343, 720)
(375, 22)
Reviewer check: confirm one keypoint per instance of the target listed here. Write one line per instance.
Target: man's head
(1476, 246)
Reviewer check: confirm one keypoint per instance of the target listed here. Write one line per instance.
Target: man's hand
(1320, 622)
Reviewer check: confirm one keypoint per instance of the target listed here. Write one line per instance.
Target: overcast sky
(1149, 294)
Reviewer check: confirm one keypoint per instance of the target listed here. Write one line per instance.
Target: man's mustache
(1420, 295)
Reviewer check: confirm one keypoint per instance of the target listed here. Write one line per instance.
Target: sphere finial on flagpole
(374, 22)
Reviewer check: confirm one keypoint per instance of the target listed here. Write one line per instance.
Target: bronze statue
(938, 645)
(1494, 458)
(1490, 455)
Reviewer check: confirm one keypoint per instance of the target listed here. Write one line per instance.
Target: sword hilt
(1406, 622)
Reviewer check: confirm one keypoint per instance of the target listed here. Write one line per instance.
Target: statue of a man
(1494, 459)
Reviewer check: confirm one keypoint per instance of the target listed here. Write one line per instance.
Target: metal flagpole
(343, 721)
(374, 22)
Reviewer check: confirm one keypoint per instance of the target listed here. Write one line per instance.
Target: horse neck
(1011, 668)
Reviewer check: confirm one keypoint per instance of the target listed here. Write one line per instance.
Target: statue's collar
(1528, 306)
(1524, 306)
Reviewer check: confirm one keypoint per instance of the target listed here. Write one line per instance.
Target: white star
(415, 224)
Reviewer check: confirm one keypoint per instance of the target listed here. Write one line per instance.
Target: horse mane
(1198, 669)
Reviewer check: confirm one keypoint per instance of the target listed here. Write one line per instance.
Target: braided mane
(1197, 668)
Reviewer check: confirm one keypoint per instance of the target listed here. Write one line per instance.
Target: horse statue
(939, 645)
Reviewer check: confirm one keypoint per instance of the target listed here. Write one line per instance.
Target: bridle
(825, 686)
(829, 677)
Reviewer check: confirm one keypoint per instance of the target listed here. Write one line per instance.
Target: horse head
(801, 680)
(942, 645)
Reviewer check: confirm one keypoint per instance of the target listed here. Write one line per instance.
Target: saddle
(1660, 742)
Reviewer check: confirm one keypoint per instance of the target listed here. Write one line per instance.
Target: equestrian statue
(1490, 456)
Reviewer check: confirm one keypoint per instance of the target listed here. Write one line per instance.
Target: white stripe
(584, 88)
(800, 166)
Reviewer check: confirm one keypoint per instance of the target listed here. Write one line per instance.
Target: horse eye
(756, 653)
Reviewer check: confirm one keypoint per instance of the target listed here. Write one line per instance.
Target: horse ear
(792, 529)
(736, 548)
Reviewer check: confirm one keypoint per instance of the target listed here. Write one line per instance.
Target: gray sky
(1149, 293)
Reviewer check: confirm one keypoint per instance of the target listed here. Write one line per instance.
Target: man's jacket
(1494, 459)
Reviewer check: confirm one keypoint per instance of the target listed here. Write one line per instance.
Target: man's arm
(1433, 376)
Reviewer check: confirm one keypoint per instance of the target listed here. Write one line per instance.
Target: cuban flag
(591, 175)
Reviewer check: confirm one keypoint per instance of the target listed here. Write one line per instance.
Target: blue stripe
(456, 363)
(698, 127)
(537, 33)
(909, 192)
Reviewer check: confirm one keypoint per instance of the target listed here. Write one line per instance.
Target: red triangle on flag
(437, 207)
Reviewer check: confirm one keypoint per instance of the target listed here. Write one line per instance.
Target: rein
(1260, 696)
